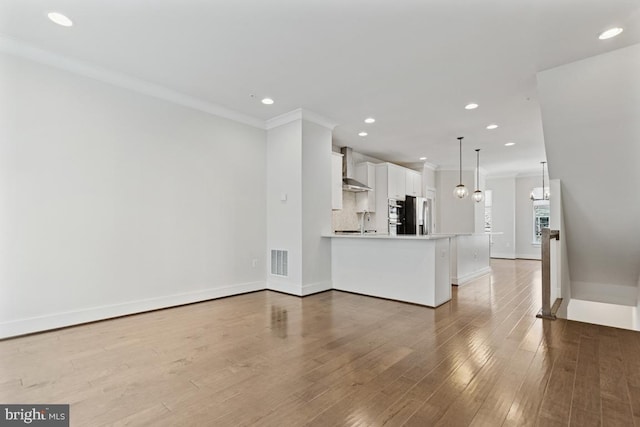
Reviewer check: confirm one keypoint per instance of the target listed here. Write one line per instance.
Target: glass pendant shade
(478, 196)
(460, 191)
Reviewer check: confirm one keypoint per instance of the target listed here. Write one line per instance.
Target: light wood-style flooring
(335, 359)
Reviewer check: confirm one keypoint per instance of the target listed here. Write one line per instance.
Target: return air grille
(279, 263)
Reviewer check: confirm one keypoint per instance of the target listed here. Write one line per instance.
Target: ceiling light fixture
(471, 106)
(369, 120)
(60, 19)
(460, 191)
(477, 195)
(423, 158)
(610, 33)
(363, 134)
(509, 144)
(545, 194)
(492, 126)
(267, 101)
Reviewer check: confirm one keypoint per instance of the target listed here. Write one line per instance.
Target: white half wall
(114, 202)
(560, 260)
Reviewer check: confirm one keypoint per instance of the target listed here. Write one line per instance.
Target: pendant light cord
(477, 169)
(460, 139)
(543, 198)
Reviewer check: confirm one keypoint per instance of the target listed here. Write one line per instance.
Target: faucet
(364, 219)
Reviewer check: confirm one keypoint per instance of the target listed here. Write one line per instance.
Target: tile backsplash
(347, 218)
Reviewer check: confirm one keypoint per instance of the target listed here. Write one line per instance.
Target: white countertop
(388, 237)
(493, 233)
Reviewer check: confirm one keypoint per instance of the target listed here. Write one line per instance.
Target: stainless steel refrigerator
(417, 216)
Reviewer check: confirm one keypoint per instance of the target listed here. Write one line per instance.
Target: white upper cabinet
(413, 182)
(391, 182)
(366, 200)
(396, 182)
(336, 181)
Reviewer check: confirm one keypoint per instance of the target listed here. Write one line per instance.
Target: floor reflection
(279, 321)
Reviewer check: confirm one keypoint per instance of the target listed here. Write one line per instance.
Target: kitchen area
(385, 240)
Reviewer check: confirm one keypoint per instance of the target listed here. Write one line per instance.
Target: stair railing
(546, 312)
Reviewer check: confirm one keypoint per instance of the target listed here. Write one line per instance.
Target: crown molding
(283, 119)
(24, 50)
(318, 119)
(431, 166)
(299, 114)
(456, 168)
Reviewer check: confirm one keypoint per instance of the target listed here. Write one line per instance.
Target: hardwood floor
(336, 359)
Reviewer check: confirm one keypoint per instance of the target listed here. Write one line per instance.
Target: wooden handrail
(547, 235)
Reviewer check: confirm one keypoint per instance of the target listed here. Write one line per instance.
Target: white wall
(503, 216)
(512, 215)
(428, 177)
(478, 207)
(316, 211)
(112, 202)
(454, 215)
(525, 248)
(590, 111)
(284, 217)
(299, 166)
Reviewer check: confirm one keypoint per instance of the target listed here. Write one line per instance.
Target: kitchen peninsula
(406, 268)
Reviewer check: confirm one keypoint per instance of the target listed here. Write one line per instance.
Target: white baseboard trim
(600, 313)
(69, 318)
(314, 288)
(503, 255)
(284, 287)
(463, 280)
(528, 256)
(298, 290)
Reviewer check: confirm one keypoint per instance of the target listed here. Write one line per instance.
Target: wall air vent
(279, 262)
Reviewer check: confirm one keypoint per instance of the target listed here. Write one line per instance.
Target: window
(488, 201)
(540, 216)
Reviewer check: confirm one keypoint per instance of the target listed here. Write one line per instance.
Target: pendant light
(460, 191)
(477, 195)
(545, 194)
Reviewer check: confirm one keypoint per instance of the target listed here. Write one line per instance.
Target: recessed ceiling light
(471, 106)
(363, 134)
(369, 120)
(267, 101)
(611, 32)
(509, 144)
(423, 158)
(60, 19)
(492, 126)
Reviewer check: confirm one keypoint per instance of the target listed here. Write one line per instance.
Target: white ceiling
(412, 65)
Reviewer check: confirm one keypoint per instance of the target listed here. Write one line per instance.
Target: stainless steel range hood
(349, 171)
